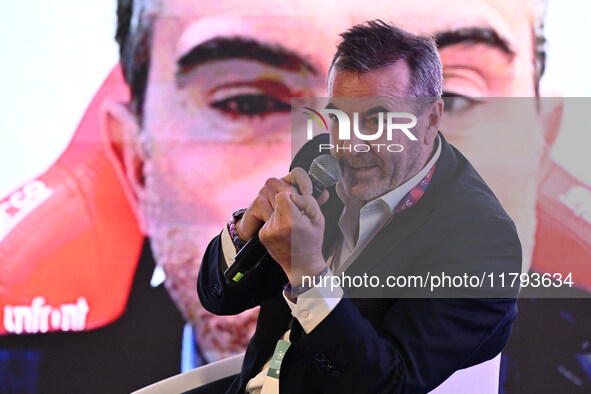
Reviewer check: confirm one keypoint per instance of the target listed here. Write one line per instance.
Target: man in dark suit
(421, 210)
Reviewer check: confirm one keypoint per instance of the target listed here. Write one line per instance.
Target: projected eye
(456, 102)
(251, 105)
(372, 122)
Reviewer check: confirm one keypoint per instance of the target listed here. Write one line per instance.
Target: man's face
(371, 173)
(217, 125)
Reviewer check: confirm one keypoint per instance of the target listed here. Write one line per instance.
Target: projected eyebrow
(374, 110)
(474, 35)
(223, 48)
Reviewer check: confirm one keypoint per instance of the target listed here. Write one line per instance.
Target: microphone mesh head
(326, 170)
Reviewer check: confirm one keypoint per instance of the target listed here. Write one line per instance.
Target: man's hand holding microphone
(290, 224)
(285, 220)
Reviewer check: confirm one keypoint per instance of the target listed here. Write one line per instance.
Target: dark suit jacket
(387, 345)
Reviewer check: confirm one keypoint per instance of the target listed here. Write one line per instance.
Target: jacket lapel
(403, 226)
(407, 223)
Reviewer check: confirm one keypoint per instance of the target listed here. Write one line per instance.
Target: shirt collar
(393, 197)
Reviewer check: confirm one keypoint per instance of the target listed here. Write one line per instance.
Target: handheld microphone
(324, 172)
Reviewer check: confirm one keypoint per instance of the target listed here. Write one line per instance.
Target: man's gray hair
(376, 44)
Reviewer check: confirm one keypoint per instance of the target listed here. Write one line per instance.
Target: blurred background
(56, 54)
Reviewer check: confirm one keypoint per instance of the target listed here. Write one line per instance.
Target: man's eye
(455, 102)
(372, 123)
(251, 104)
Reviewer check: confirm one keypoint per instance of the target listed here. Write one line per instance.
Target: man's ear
(434, 112)
(551, 111)
(125, 139)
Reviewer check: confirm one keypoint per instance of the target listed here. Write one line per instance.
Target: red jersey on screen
(69, 240)
(563, 237)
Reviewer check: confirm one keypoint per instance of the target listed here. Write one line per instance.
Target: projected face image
(487, 54)
(216, 126)
(216, 117)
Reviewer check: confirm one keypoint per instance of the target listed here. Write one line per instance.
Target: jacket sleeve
(420, 342)
(265, 281)
(221, 298)
(407, 353)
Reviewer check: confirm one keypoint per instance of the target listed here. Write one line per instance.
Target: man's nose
(357, 140)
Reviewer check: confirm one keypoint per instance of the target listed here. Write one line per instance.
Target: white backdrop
(55, 54)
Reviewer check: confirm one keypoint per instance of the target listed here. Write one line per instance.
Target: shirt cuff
(315, 304)
(228, 248)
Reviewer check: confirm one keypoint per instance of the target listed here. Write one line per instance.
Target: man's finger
(267, 197)
(299, 178)
(283, 205)
(307, 205)
(275, 185)
(323, 197)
